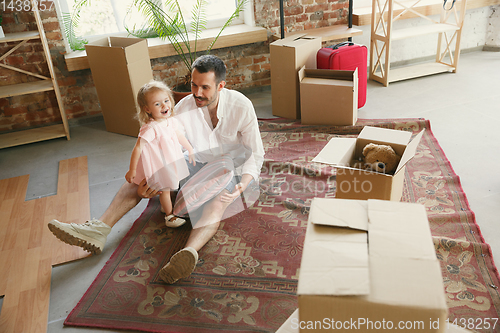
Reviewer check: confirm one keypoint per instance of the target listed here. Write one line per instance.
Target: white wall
(480, 26)
(493, 31)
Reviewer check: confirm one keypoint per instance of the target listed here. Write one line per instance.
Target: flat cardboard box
(288, 55)
(328, 97)
(392, 281)
(292, 324)
(120, 67)
(356, 183)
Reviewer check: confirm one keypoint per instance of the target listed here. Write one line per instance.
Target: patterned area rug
(246, 278)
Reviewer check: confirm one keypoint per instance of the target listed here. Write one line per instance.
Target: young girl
(157, 155)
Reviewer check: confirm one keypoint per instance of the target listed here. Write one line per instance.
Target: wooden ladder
(43, 84)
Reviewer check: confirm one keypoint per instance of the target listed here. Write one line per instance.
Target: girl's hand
(192, 160)
(130, 176)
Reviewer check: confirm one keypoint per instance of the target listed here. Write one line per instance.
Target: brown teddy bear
(380, 158)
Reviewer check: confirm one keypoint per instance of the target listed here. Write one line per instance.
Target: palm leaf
(144, 31)
(239, 8)
(171, 25)
(199, 23)
(167, 26)
(70, 23)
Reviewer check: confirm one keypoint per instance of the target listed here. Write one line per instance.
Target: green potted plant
(171, 25)
(70, 24)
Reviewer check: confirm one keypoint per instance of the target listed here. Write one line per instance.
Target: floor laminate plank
(41, 304)
(5, 263)
(38, 223)
(7, 324)
(31, 266)
(25, 219)
(28, 249)
(6, 207)
(24, 318)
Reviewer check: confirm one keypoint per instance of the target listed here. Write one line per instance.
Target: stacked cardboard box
(120, 67)
(328, 97)
(319, 97)
(288, 56)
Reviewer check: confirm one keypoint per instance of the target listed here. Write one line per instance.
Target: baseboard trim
(432, 57)
(489, 48)
(85, 120)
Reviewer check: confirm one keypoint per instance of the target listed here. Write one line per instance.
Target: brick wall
(248, 65)
(300, 14)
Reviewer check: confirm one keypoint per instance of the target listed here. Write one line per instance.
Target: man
(212, 117)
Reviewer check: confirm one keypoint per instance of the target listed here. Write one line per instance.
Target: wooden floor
(28, 250)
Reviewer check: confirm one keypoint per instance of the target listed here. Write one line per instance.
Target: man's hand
(191, 157)
(145, 191)
(230, 197)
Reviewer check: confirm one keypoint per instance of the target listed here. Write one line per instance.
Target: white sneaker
(180, 266)
(91, 235)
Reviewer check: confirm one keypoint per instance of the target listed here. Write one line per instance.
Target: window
(105, 17)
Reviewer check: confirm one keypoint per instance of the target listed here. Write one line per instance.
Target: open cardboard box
(370, 265)
(288, 55)
(292, 324)
(120, 67)
(356, 183)
(328, 97)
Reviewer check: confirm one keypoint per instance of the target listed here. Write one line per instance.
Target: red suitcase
(346, 56)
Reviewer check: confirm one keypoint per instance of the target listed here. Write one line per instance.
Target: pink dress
(162, 162)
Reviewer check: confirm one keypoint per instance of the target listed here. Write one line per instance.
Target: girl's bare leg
(166, 201)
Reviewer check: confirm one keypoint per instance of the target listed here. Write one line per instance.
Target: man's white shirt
(236, 130)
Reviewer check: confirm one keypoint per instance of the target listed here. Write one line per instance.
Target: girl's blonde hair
(150, 87)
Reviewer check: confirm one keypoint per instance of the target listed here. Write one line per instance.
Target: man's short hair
(210, 63)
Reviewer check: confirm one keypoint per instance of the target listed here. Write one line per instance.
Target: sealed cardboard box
(120, 67)
(328, 97)
(370, 266)
(292, 325)
(288, 55)
(356, 183)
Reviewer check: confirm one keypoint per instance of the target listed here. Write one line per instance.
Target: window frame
(247, 18)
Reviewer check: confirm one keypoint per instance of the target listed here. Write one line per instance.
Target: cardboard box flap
(127, 49)
(338, 151)
(335, 261)
(410, 150)
(346, 277)
(339, 213)
(99, 42)
(327, 82)
(124, 42)
(292, 41)
(385, 135)
(397, 225)
(401, 243)
(412, 283)
(330, 74)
